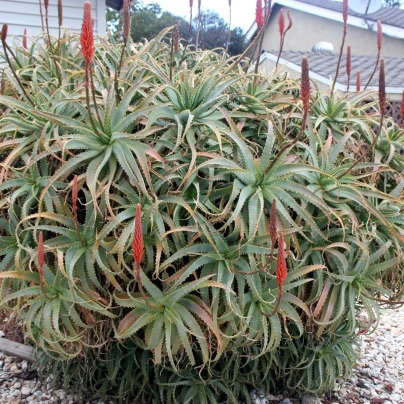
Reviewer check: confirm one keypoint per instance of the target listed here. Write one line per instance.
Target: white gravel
(377, 378)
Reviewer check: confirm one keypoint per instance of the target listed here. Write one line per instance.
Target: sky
(243, 11)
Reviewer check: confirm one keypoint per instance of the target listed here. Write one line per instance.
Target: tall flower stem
(87, 86)
(379, 48)
(345, 18)
(5, 47)
(41, 13)
(191, 3)
(199, 24)
(229, 31)
(382, 107)
(267, 14)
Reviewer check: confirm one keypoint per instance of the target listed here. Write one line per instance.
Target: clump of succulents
(178, 229)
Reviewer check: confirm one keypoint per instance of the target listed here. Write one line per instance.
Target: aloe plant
(257, 235)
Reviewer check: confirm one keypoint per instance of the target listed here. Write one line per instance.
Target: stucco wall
(309, 29)
(21, 14)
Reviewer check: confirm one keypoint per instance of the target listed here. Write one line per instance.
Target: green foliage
(205, 154)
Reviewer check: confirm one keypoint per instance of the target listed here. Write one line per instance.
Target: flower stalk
(345, 18)
(379, 48)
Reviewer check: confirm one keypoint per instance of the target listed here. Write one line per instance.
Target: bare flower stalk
(251, 45)
(379, 48)
(41, 262)
(75, 198)
(305, 96)
(345, 18)
(402, 110)
(2, 84)
(273, 230)
(60, 23)
(358, 80)
(348, 66)
(199, 23)
(229, 31)
(382, 107)
(261, 18)
(175, 46)
(191, 5)
(126, 33)
(3, 37)
(41, 13)
(282, 32)
(24, 39)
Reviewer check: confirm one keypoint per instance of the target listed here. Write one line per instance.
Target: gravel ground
(377, 378)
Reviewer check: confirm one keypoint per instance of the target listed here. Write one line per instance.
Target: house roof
(324, 65)
(387, 15)
(392, 18)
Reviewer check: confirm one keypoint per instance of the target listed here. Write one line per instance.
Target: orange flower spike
(126, 19)
(382, 88)
(348, 61)
(345, 10)
(60, 13)
(259, 14)
(379, 35)
(87, 35)
(281, 270)
(4, 31)
(137, 243)
(305, 89)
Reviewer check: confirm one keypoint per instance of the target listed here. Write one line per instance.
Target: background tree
(392, 3)
(148, 20)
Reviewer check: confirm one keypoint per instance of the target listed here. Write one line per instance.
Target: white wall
(21, 14)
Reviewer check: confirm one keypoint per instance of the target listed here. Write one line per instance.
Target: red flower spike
(259, 14)
(379, 35)
(126, 19)
(87, 35)
(382, 88)
(348, 61)
(281, 22)
(24, 39)
(60, 13)
(75, 197)
(281, 270)
(273, 230)
(305, 90)
(358, 80)
(345, 10)
(137, 243)
(4, 31)
(41, 253)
